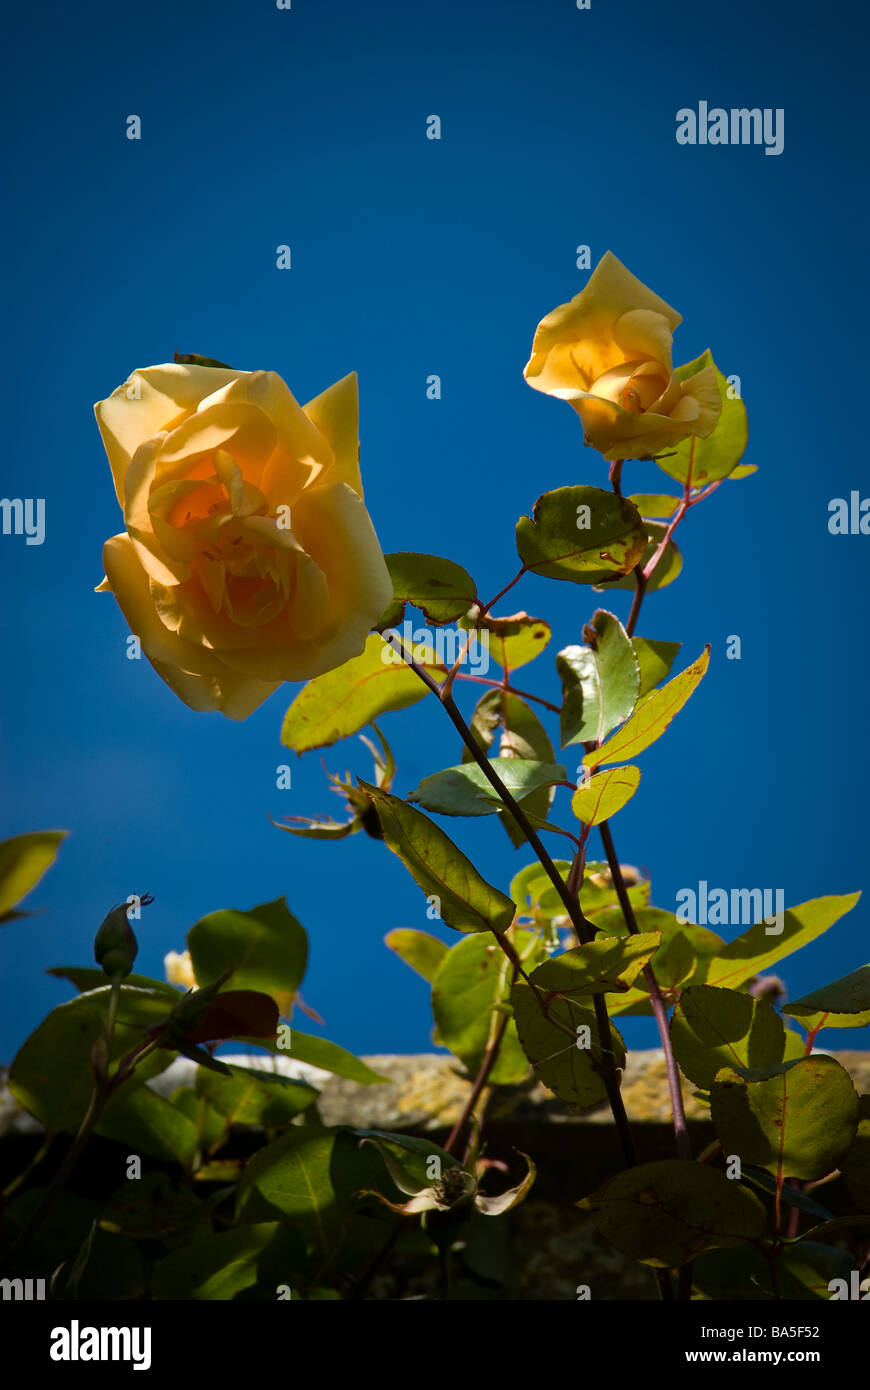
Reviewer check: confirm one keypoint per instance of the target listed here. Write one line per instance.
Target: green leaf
(255, 1097)
(836, 1226)
(743, 470)
(843, 1004)
(757, 949)
(702, 461)
(23, 861)
(473, 977)
(292, 1176)
(442, 590)
(856, 1168)
(803, 1273)
(531, 888)
(676, 961)
(221, 1266)
(210, 1127)
(105, 1267)
(681, 943)
(603, 795)
(341, 702)
(795, 1044)
(652, 717)
(550, 1041)
(52, 1074)
(419, 949)
(655, 503)
(320, 1052)
(655, 660)
(466, 901)
(265, 948)
(146, 1122)
(487, 716)
(798, 1123)
(666, 1213)
(714, 1028)
(523, 736)
(582, 534)
(668, 568)
(86, 977)
(791, 1196)
(424, 1192)
(465, 791)
(598, 893)
(153, 1207)
(513, 641)
(605, 963)
(600, 681)
(420, 1147)
(532, 885)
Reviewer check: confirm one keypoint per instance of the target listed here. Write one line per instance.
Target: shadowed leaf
(798, 1123)
(714, 1028)
(845, 1003)
(582, 534)
(665, 1214)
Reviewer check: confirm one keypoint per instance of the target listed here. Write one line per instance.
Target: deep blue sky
(411, 257)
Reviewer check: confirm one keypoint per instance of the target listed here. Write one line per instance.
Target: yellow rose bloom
(178, 968)
(248, 557)
(608, 353)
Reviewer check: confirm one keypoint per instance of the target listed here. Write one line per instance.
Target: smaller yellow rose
(178, 968)
(608, 353)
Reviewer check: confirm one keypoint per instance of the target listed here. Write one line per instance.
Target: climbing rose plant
(248, 558)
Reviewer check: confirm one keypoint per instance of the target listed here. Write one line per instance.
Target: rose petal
(335, 412)
(577, 341)
(166, 393)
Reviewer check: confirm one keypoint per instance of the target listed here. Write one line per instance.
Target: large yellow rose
(248, 557)
(608, 353)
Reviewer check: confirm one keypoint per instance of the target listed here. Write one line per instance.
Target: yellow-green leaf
(419, 949)
(512, 641)
(702, 461)
(757, 949)
(473, 978)
(655, 660)
(655, 503)
(652, 717)
(603, 795)
(337, 704)
(23, 861)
